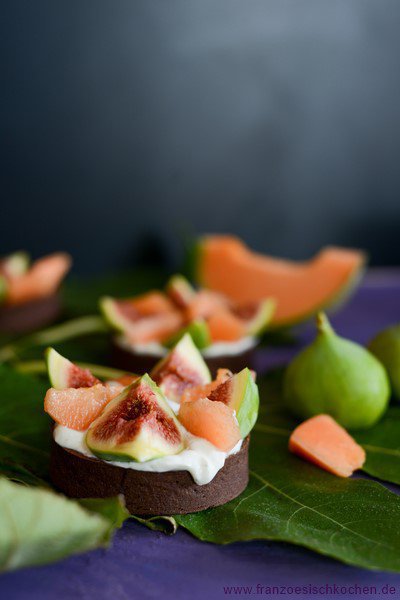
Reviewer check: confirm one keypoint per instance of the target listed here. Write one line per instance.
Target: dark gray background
(126, 124)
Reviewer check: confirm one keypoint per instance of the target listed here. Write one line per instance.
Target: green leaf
(355, 521)
(381, 442)
(167, 525)
(113, 509)
(382, 446)
(38, 526)
(25, 434)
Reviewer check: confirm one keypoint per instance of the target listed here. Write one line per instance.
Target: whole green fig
(337, 377)
(386, 347)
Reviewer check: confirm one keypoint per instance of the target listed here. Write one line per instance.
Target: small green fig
(337, 377)
(386, 347)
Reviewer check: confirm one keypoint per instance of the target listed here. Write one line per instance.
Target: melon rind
(180, 285)
(259, 323)
(146, 445)
(112, 315)
(329, 304)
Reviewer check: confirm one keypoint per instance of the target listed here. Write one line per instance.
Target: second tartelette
(146, 326)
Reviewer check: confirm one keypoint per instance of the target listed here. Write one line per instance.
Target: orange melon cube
(325, 443)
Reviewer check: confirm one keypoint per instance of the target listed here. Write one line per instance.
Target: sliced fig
(256, 316)
(199, 332)
(180, 291)
(124, 316)
(119, 314)
(182, 367)
(240, 393)
(138, 425)
(203, 391)
(65, 374)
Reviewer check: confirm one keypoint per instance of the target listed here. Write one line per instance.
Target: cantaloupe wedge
(213, 421)
(226, 265)
(41, 280)
(325, 443)
(76, 408)
(224, 326)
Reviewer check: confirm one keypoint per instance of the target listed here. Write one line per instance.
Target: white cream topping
(217, 349)
(202, 459)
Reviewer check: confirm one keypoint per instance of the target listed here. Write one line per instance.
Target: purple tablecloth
(144, 564)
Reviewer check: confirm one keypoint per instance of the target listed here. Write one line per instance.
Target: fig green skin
(199, 332)
(386, 347)
(337, 377)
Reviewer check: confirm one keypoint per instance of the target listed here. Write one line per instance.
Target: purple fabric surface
(144, 564)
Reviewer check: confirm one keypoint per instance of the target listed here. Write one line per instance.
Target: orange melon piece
(157, 328)
(152, 303)
(226, 265)
(325, 443)
(41, 280)
(204, 304)
(224, 326)
(202, 391)
(211, 420)
(76, 408)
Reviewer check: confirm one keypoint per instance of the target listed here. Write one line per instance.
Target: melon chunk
(226, 265)
(213, 421)
(325, 443)
(76, 408)
(224, 326)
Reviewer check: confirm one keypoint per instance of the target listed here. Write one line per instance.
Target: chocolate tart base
(27, 317)
(170, 493)
(125, 359)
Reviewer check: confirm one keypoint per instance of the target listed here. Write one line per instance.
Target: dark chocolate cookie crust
(133, 362)
(27, 317)
(170, 493)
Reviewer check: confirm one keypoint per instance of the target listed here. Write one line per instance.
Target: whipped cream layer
(202, 459)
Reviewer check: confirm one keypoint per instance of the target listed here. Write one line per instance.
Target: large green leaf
(381, 442)
(24, 427)
(382, 445)
(353, 520)
(38, 526)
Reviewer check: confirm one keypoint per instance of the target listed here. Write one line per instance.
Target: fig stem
(38, 367)
(323, 324)
(54, 335)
